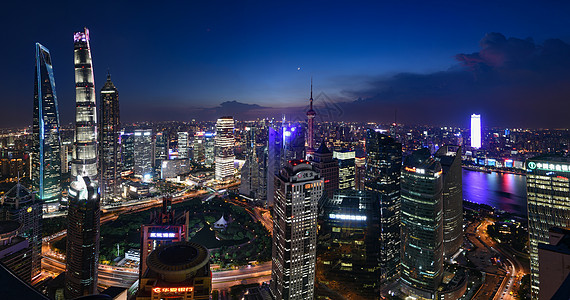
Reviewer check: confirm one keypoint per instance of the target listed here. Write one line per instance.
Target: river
(503, 191)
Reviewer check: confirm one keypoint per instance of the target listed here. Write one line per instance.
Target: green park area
(242, 241)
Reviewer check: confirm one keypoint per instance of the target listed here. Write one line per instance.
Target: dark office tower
(548, 191)
(383, 168)
(46, 144)
(85, 153)
(250, 169)
(327, 167)
(83, 212)
(346, 169)
(128, 152)
(422, 225)
(19, 204)
(349, 240)
(274, 148)
(298, 188)
(82, 255)
(160, 148)
(109, 142)
(450, 159)
(310, 121)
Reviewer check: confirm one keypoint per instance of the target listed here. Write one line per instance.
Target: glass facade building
(83, 213)
(450, 159)
(109, 142)
(46, 143)
(347, 169)
(143, 152)
(349, 240)
(382, 176)
(548, 200)
(422, 225)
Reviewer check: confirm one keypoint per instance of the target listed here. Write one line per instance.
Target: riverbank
(491, 170)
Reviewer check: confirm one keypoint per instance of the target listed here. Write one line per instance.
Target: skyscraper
(224, 148)
(143, 152)
(46, 143)
(293, 143)
(450, 159)
(128, 152)
(250, 170)
(327, 167)
(347, 169)
(183, 145)
(475, 131)
(83, 215)
(548, 191)
(19, 204)
(82, 255)
(422, 225)
(85, 149)
(298, 187)
(160, 148)
(209, 148)
(274, 149)
(349, 240)
(383, 168)
(109, 142)
(310, 121)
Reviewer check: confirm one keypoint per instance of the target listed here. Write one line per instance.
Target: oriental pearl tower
(311, 116)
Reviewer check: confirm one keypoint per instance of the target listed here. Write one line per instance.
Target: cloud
(512, 81)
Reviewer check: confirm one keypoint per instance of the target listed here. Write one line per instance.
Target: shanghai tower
(84, 208)
(46, 166)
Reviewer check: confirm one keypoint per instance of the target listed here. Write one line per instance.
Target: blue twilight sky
(433, 62)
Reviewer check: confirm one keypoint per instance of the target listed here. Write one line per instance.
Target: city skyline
(478, 67)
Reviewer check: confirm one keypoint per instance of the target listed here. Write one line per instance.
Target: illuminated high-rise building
(109, 142)
(183, 145)
(382, 176)
(128, 152)
(83, 217)
(274, 149)
(46, 142)
(475, 131)
(143, 153)
(224, 148)
(310, 122)
(548, 191)
(209, 148)
(85, 151)
(198, 148)
(347, 169)
(450, 158)
(422, 225)
(298, 188)
(293, 143)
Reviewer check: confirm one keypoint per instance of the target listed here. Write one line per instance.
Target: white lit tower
(475, 131)
(82, 254)
(224, 148)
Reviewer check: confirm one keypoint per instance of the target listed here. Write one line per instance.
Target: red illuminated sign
(185, 289)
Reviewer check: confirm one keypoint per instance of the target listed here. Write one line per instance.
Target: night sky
(178, 60)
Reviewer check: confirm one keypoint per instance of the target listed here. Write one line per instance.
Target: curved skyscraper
(85, 153)
(109, 146)
(83, 212)
(46, 147)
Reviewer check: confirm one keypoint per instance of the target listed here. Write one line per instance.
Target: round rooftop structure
(178, 261)
(9, 229)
